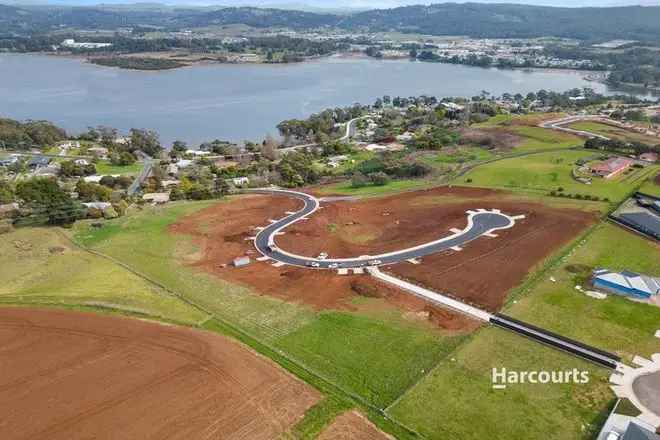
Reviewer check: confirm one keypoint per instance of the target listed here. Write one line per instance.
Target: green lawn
(545, 172)
(105, 168)
(40, 266)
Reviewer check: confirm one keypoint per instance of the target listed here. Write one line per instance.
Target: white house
(240, 181)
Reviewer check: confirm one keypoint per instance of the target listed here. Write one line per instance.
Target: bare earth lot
(220, 231)
(352, 426)
(375, 225)
(76, 375)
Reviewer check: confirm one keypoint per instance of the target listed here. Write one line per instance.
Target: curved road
(479, 223)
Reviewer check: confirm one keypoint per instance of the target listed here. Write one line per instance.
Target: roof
(636, 432)
(612, 165)
(630, 280)
(39, 160)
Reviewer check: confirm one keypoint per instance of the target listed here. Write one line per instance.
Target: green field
(650, 187)
(40, 266)
(545, 172)
(614, 132)
(345, 188)
(537, 138)
(105, 168)
(615, 324)
(457, 400)
(461, 155)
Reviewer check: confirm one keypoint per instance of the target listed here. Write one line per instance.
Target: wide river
(236, 102)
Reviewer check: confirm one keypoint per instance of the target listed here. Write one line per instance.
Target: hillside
(471, 19)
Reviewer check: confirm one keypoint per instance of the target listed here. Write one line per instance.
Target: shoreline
(588, 75)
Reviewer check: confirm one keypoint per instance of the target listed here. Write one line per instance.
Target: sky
(338, 4)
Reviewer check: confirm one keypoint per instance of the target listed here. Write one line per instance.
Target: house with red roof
(611, 167)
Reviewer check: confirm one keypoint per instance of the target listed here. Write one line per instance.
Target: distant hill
(508, 20)
(472, 19)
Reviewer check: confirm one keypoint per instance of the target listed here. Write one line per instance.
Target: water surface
(236, 102)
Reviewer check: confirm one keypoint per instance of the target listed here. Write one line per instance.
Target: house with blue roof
(626, 283)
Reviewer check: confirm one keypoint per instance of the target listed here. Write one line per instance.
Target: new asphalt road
(480, 222)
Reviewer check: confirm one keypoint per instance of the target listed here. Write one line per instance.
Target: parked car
(375, 262)
(333, 266)
(322, 256)
(313, 264)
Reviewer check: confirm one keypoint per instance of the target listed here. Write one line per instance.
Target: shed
(241, 261)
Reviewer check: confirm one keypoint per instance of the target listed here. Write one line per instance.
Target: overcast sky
(333, 4)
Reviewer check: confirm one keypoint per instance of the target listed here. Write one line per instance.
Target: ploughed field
(76, 375)
(482, 273)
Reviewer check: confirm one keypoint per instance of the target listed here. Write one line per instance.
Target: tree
(269, 149)
(6, 192)
(358, 180)
(92, 192)
(122, 159)
(48, 202)
(379, 179)
(146, 141)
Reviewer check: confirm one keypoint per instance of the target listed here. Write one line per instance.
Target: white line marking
(456, 248)
(499, 386)
(456, 230)
(278, 264)
(264, 258)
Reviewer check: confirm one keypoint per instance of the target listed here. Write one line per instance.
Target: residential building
(156, 198)
(626, 283)
(241, 261)
(649, 157)
(611, 167)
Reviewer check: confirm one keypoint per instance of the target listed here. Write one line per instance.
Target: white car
(333, 266)
(322, 256)
(375, 262)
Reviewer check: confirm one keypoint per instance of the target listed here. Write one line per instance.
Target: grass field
(614, 132)
(361, 353)
(457, 400)
(537, 138)
(650, 187)
(545, 172)
(615, 324)
(345, 188)
(40, 266)
(105, 168)
(461, 155)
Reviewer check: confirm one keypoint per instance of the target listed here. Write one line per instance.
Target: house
(241, 261)
(240, 181)
(156, 198)
(183, 163)
(38, 161)
(81, 162)
(168, 184)
(172, 169)
(405, 137)
(198, 153)
(96, 178)
(611, 167)
(376, 147)
(626, 283)
(649, 157)
(8, 210)
(8, 161)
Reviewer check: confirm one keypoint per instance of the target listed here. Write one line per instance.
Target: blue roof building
(626, 283)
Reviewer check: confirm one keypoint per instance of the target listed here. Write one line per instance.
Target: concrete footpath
(430, 295)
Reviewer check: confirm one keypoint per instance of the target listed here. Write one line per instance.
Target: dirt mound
(77, 375)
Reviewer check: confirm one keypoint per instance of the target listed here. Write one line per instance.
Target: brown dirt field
(377, 225)
(352, 425)
(220, 233)
(69, 375)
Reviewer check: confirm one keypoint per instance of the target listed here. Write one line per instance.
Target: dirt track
(481, 274)
(70, 375)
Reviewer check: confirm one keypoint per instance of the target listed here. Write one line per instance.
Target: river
(236, 102)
